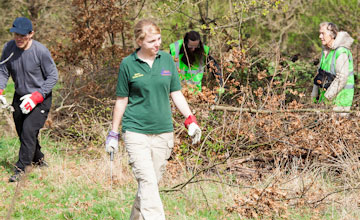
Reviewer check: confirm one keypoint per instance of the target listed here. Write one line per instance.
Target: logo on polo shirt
(165, 72)
(137, 75)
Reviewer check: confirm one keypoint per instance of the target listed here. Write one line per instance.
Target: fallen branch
(317, 202)
(180, 186)
(215, 181)
(331, 193)
(251, 110)
(271, 142)
(65, 106)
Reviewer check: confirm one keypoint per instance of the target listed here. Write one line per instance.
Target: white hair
(331, 27)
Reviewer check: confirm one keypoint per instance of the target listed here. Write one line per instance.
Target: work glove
(194, 130)
(29, 102)
(112, 142)
(2, 98)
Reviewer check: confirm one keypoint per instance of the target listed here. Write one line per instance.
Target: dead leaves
(260, 204)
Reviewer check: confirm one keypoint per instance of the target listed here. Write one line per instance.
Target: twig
(216, 181)
(331, 193)
(96, 99)
(19, 184)
(203, 193)
(262, 193)
(82, 127)
(202, 145)
(251, 110)
(180, 186)
(312, 125)
(138, 13)
(65, 106)
(316, 203)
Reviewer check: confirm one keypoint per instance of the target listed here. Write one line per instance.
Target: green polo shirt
(148, 110)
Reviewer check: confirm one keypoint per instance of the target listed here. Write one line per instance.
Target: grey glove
(112, 142)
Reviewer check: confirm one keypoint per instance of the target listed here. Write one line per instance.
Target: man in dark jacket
(34, 72)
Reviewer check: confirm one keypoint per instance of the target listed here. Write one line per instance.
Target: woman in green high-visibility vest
(191, 57)
(336, 64)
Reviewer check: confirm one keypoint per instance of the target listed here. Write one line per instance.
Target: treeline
(261, 45)
(259, 27)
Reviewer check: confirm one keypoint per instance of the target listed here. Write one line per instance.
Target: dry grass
(316, 190)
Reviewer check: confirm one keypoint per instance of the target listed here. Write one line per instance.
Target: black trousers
(27, 128)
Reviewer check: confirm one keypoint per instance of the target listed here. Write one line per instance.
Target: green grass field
(77, 186)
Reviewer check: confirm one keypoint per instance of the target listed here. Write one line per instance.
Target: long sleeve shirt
(31, 70)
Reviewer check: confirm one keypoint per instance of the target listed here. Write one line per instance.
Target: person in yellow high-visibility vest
(191, 57)
(336, 64)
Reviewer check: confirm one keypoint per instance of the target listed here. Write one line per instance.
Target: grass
(77, 186)
(9, 90)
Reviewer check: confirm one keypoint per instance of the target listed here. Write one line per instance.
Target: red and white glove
(2, 98)
(194, 130)
(29, 102)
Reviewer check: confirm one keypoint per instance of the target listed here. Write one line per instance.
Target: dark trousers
(27, 128)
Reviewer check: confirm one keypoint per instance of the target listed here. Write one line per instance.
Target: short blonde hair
(143, 27)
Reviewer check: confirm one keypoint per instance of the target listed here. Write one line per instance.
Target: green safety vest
(190, 75)
(346, 95)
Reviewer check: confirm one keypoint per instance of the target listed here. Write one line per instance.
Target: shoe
(16, 177)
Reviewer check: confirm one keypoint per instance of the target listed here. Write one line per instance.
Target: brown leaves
(235, 60)
(260, 204)
(280, 136)
(98, 26)
(259, 92)
(261, 75)
(206, 96)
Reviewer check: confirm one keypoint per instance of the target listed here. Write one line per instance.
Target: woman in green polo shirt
(146, 79)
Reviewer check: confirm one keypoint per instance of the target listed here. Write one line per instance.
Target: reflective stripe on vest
(349, 86)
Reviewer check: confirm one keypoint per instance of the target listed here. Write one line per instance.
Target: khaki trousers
(148, 154)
